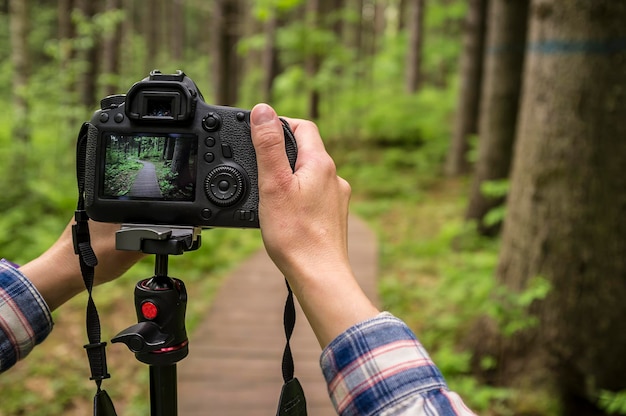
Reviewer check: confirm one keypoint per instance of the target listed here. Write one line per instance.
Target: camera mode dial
(224, 185)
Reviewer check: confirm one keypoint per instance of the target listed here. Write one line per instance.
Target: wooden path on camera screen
(235, 354)
(146, 184)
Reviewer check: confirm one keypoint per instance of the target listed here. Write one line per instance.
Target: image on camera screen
(160, 167)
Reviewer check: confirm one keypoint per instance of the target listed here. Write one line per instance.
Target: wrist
(332, 300)
(55, 274)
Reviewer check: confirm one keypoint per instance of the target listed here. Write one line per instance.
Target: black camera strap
(103, 406)
(292, 401)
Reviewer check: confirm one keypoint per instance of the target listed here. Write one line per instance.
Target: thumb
(269, 143)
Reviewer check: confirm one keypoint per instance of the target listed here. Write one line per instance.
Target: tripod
(159, 339)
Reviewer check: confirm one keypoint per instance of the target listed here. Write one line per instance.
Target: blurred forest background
(485, 141)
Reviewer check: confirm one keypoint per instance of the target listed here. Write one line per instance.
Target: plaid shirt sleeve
(378, 367)
(25, 319)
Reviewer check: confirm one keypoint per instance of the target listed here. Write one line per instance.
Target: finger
(269, 143)
(309, 142)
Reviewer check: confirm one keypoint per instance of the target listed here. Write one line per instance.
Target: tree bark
(111, 52)
(19, 15)
(225, 35)
(177, 28)
(90, 57)
(65, 31)
(565, 212)
(313, 60)
(270, 56)
(504, 61)
(471, 67)
(414, 52)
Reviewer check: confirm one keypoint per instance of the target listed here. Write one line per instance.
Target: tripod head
(159, 337)
(158, 239)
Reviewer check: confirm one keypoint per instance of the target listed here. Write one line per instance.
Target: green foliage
(497, 189)
(263, 9)
(440, 284)
(511, 309)
(120, 173)
(613, 402)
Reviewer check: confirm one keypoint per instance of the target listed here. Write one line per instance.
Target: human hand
(304, 221)
(303, 214)
(56, 273)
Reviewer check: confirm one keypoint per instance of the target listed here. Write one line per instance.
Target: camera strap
(292, 401)
(103, 406)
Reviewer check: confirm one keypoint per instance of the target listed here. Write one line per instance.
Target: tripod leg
(163, 390)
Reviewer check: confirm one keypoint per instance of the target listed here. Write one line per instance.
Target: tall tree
(18, 13)
(66, 31)
(468, 104)
(89, 56)
(504, 61)
(414, 52)
(176, 33)
(270, 55)
(225, 32)
(111, 51)
(313, 58)
(565, 213)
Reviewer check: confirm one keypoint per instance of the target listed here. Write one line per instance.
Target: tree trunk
(111, 52)
(177, 28)
(150, 18)
(180, 163)
(504, 61)
(89, 56)
(414, 52)
(565, 213)
(471, 67)
(312, 59)
(225, 35)
(65, 31)
(270, 56)
(18, 10)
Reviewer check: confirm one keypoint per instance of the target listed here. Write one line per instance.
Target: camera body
(161, 155)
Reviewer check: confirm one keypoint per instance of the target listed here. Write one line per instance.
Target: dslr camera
(160, 155)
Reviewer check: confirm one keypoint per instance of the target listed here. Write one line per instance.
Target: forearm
(332, 300)
(56, 273)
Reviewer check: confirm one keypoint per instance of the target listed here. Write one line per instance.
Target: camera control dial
(224, 185)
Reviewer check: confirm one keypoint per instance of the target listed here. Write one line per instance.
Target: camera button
(209, 141)
(209, 157)
(104, 117)
(212, 121)
(227, 151)
(119, 117)
(206, 213)
(245, 215)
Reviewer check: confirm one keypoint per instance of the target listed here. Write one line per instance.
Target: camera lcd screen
(159, 167)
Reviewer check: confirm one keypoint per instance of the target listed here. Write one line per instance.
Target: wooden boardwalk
(146, 184)
(234, 362)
